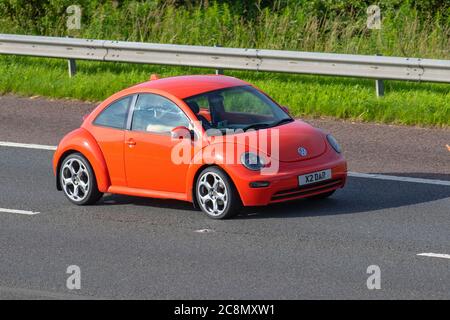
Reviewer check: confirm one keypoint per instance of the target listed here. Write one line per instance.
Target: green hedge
(410, 28)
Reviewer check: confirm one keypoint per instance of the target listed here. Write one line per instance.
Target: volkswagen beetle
(213, 140)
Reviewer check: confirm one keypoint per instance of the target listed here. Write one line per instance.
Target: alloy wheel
(212, 193)
(75, 179)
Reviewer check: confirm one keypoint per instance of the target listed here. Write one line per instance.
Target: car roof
(188, 86)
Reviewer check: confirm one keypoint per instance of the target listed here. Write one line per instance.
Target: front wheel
(78, 180)
(216, 194)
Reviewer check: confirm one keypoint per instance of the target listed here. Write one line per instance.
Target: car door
(108, 128)
(148, 145)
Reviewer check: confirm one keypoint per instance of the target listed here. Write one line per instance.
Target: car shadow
(117, 199)
(360, 195)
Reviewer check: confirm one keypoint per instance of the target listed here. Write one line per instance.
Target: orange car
(213, 140)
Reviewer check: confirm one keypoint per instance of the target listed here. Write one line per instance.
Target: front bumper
(283, 185)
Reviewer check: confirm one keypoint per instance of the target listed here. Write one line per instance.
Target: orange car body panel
(80, 140)
(144, 168)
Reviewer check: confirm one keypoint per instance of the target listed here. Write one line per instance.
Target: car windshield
(242, 107)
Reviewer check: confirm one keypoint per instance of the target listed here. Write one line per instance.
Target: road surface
(133, 248)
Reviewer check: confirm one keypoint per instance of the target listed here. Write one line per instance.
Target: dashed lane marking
(25, 212)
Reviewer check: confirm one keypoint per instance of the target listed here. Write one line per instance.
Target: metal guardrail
(374, 67)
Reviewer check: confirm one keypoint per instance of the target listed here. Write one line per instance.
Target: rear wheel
(216, 194)
(78, 180)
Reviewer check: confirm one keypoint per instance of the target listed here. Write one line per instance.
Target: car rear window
(115, 115)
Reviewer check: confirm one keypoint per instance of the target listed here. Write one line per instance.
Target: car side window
(114, 115)
(154, 113)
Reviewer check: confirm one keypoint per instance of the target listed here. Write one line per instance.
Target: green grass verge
(405, 103)
(413, 28)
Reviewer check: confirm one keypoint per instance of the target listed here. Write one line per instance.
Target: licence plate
(314, 177)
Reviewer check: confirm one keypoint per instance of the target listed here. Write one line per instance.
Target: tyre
(78, 180)
(322, 195)
(216, 194)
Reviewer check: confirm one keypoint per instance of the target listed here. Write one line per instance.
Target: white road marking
(204, 230)
(350, 174)
(29, 213)
(435, 255)
(398, 178)
(26, 145)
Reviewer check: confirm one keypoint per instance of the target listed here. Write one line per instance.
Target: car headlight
(333, 142)
(252, 161)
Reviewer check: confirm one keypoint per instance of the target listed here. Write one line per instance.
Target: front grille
(306, 190)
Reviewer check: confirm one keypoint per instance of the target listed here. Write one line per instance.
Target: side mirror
(181, 132)
(285, 109)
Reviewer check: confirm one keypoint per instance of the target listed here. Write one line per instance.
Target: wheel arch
(81, 141)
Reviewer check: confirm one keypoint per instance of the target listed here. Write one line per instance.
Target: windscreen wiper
(256, 126)
(285, 120)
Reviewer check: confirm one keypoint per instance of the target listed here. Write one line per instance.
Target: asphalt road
(130, 247)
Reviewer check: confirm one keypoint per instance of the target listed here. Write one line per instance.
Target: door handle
(130, 142)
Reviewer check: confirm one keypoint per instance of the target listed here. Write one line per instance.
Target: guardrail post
(379, 85)
(72, 67)
(218, 71)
